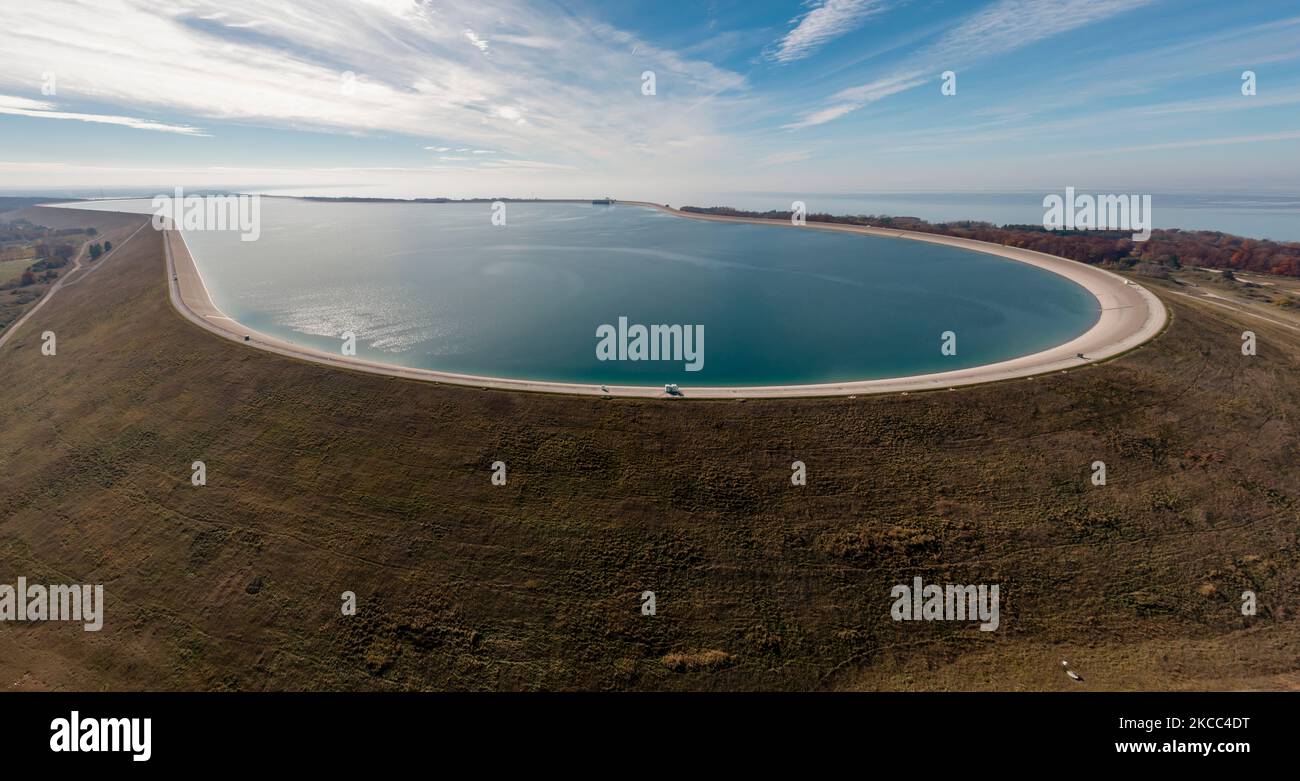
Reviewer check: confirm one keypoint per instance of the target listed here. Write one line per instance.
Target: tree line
(1170, 248)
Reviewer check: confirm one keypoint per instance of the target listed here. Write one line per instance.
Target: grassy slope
(16, 302)
(12, 269)
(321, 481)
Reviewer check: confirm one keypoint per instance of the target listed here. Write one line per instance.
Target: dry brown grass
(323, 481)
(692, 661)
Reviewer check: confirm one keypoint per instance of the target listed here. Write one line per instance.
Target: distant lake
(438, 286)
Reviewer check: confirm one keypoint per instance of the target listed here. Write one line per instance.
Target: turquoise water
(438, 286)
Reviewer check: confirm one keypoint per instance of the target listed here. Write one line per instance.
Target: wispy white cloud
(25, 107)
(556, 87)
(553, 104)
(478, 42)
(1003, 27)
(1007, 25)
(854, 98)
(828, 20)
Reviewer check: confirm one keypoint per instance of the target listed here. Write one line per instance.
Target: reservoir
(443, 286)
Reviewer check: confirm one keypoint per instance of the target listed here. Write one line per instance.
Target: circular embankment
(1130, 316)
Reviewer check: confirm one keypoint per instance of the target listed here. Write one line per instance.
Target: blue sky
(544, 98)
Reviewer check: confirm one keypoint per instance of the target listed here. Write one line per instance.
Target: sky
(548, 98)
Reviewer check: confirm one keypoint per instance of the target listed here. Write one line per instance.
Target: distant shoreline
(825, 213)
(1130, 316)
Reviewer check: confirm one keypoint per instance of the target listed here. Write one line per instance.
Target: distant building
(603, 202)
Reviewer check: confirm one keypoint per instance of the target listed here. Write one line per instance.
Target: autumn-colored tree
(1168, 248)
